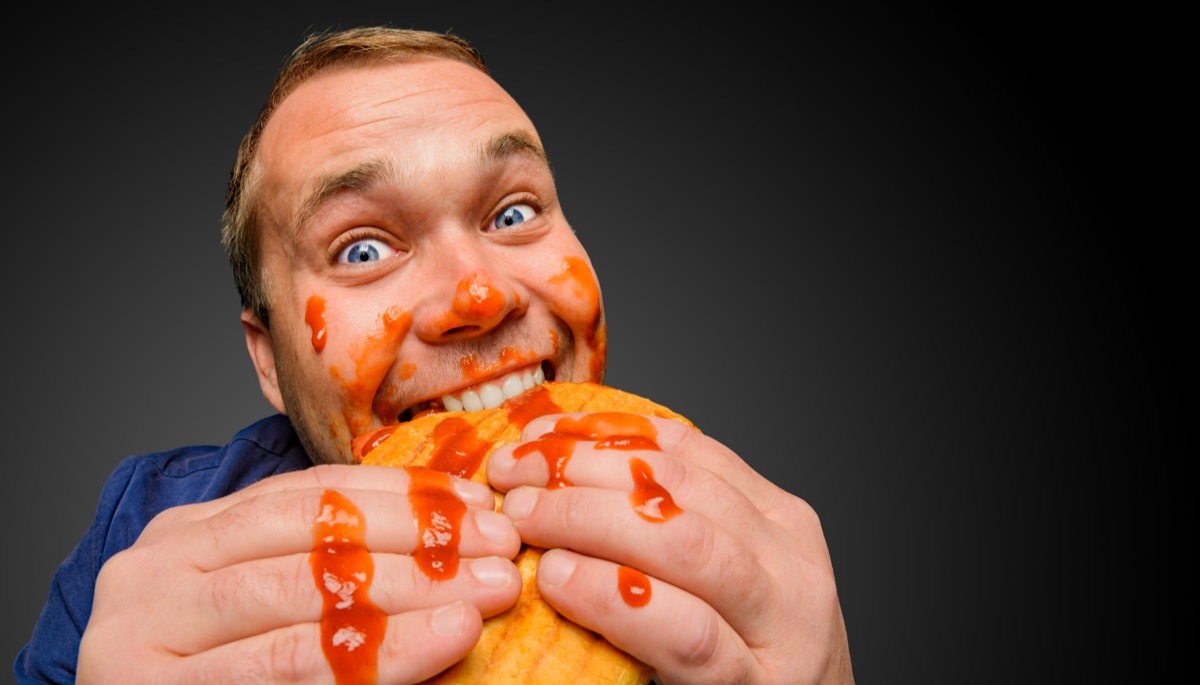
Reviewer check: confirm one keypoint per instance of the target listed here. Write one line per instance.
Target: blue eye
(362, 251)
(514, 215)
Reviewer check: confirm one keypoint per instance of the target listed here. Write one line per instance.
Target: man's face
(413, 248)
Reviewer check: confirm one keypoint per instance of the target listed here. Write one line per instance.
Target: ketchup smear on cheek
(352, 627)
(314, 316)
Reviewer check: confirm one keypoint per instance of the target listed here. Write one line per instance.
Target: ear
(262, 355)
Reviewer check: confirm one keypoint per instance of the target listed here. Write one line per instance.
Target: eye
(362, 251)
(513, 215)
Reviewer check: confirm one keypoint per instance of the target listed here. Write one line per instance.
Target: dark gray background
(890, 257)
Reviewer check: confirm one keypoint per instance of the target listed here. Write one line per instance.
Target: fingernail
(492, 570)
(556, 568)
(473, 493)
(496, 527)
(518, 503)
(448, 621)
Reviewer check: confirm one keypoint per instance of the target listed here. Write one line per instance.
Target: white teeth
(471, 401)
(491, 395)
(513, 386)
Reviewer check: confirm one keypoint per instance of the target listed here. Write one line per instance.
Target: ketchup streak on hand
(611, 430)
(617, 431)
(650, 499)
(439, 513)
(352, 627)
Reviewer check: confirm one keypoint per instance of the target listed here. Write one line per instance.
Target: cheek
(358, 350)
(575, 293)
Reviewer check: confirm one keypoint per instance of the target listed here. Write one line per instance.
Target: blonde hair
(240, 230)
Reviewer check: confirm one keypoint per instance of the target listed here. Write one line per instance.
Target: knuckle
(697, 646)
(161, 523)
(672, 474)
(696, 543)
(286, 657)
(236, 588)
(572, 509)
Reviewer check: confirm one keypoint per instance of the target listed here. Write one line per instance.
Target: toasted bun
(531, 642)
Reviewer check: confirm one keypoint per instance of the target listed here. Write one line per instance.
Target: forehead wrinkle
(358, 180)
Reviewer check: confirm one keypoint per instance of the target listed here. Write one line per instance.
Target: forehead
(416, 115)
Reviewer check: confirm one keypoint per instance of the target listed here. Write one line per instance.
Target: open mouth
(486, 395)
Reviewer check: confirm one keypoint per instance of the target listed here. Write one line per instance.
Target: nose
(466, 298)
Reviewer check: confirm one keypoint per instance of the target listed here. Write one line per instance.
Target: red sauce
(634, 586)
(473, 369)
(352, 627)
(556, 448)
(477, 302)
(373, 358)
(439, 515)
(611, 430)
(407, 369)
(579, 286)
(476, 299)
(364, 443)
(627, 442)
(457, 448)
(314, 316)
(529, 405)
(650, 500)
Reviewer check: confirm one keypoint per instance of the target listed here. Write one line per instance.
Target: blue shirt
(138, 489)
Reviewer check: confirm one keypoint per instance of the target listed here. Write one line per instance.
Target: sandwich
(530, 642)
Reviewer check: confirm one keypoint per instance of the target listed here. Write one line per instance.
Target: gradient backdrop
(875, 253)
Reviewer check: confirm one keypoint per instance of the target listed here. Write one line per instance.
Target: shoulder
(199, 472)
(144, 485)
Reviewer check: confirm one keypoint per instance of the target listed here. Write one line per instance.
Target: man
(395, 235)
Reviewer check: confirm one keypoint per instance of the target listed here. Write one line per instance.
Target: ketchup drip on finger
(650, 499)
(634, 586)
(610, 430)
(614, 431)
(439, 514)
(352, 627)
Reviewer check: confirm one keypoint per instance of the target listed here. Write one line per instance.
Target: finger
(707, 560)
(412, 647)
(278, 523)
(550, 437)
(321, 477)
(679, 634)
(247, 599)
(658, 486)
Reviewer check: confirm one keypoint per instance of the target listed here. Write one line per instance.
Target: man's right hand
(224, 591)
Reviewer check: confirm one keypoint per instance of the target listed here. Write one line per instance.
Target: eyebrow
(364, 176)
(511, 144)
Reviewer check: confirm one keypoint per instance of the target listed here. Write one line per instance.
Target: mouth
(487, 394)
